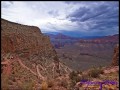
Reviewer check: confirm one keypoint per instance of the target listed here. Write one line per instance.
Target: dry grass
(44, 85)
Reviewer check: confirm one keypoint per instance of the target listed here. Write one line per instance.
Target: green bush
(72, 75)
(75, 78)
(95, 72)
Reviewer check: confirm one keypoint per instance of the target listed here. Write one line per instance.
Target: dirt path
(20, 62)
(39, 74)
(16, 58)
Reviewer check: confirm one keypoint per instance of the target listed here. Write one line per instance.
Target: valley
(82, 54)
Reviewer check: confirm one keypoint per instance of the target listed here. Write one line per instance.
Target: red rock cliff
(115, 60)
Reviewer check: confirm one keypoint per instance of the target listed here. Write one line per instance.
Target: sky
(74, 18)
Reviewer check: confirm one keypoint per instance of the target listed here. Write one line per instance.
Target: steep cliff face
(27, 55)
(115, 60)
(18, 38)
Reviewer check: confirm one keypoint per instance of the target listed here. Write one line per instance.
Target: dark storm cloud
(76, 16)
(86, 13)
(103, 16)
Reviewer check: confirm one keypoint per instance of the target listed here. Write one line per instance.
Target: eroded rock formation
(28, 53)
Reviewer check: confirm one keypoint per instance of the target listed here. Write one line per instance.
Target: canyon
(31, 60)
(81, 54)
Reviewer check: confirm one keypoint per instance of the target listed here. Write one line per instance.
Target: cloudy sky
(78, 18)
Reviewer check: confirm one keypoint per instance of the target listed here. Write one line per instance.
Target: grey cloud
(90, 12)
(85, 13)
(92, 16)
(79, 12)
(103, 16)
(54, 13)
(71, 2)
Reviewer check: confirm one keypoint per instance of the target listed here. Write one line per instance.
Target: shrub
(44, 85)
(95, 73)
(72, 75)
(79, 72)
(74, 78)
(27, 85)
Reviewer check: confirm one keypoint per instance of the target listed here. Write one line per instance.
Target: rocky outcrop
(29, 40)
(115, 60)
(36, 56)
